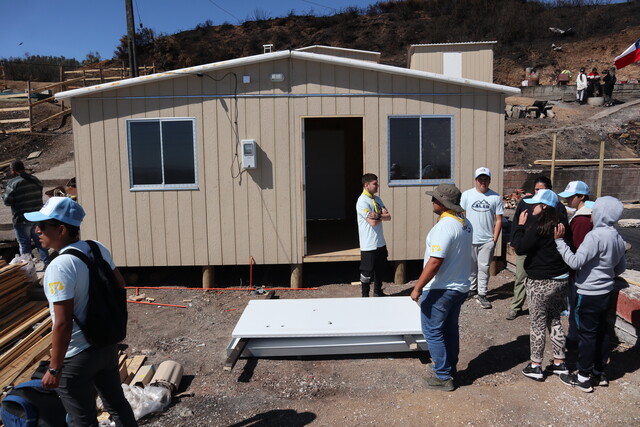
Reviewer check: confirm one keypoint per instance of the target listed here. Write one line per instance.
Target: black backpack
(106, 321)
(30, 405)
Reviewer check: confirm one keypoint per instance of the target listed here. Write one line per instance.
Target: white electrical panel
(249, 153)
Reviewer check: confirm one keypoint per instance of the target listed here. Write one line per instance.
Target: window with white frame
(162, 154)
(420, 150)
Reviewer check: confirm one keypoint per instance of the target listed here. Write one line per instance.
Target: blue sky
(73, 28)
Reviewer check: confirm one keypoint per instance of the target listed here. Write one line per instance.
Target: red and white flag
(629, 56)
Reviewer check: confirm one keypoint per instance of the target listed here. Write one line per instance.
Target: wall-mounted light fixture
(277, 77)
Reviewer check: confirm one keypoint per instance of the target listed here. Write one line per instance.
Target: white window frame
(421, 182)
(163, 187)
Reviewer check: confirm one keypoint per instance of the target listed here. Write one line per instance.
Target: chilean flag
(629, 56)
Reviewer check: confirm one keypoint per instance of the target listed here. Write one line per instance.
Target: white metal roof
(339, 49)
(274, 56)
(454, 43)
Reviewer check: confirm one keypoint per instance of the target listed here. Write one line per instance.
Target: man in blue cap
(76, 369)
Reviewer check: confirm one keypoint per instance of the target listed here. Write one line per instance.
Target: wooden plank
(133, 366)
(24, 360)
(55, 116)
(15, 130)
(14, 120)
(235, 354)
(42, 101)
(411, 342)
(588, 162)
(14, 109)
(8, 336)
(25, 344)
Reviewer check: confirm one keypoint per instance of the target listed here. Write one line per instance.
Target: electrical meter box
(249, 153)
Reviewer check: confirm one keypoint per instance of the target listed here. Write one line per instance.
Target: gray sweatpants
(481, 256)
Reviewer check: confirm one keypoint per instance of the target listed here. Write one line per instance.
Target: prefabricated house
(261, 157)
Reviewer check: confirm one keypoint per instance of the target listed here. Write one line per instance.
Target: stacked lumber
(24, 343)
(13, 287)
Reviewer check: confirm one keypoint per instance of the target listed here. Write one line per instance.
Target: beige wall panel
(240, 189)
(256, 112)
(185, 216)
(213, 208)
(397, 229)
(114, 182)
(100, 206)
(131, 255)
(495, 141)
(264, 188)
(298, 111)
(467, 142)
(298, 74)
(314, 103)
(328, 85)
(198, 197)
(426, 217)
(372, 127)
(82, 143)
(479, 131)
(284, 184)
(343, 84)
(379, 149)
(356, 85)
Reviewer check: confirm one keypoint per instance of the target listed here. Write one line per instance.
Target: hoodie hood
(606, 211)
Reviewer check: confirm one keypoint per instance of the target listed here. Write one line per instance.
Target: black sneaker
(557, 369)
(533, 372)
(572, 381)
(472, 294)
(599, 380)
(483, 301)
(512, 314)
(435, 383)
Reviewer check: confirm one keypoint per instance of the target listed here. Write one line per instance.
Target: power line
(224, 10)
(139, 17)
(321, 5)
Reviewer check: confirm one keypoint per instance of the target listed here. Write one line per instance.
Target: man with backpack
(81, 362)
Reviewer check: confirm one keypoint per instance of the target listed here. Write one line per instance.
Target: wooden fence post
(600, 169)
(553, 157)
(29, 105)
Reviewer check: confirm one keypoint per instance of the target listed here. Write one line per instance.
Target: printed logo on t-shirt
(481, 206)
(436, 248)
(55, 286)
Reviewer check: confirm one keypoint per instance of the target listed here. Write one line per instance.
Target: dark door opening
(333, 169)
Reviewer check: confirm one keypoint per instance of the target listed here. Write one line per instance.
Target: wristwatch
(54, 372)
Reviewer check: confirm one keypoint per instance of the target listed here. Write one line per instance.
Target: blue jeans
(440, 313)
(25, 231)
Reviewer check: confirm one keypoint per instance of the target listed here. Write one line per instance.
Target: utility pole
(131, 35)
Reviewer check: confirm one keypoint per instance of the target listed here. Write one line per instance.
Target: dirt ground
(367, 389)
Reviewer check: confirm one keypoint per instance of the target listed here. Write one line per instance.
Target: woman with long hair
(546, 284)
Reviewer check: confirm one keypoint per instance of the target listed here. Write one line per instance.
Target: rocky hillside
(593, 34)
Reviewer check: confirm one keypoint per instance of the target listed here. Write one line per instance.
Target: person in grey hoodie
(598, 260)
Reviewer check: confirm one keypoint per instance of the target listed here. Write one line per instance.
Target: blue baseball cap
(544, 196)
(573, 188)
(62, 209)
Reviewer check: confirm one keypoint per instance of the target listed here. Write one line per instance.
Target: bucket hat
(449, 195)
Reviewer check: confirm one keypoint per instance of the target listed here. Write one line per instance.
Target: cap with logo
(573, 188)
(544, 196)
(483, 171)
(62, 209)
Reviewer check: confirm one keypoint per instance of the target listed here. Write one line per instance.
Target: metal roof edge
(405, 71)
(316, 57)
(221, 65)
(344, 49)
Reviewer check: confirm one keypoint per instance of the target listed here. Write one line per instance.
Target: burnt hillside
(598, 33)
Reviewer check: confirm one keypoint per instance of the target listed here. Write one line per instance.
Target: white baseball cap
(544, 196)
(575, 187)
(483, 171)
(62, 209)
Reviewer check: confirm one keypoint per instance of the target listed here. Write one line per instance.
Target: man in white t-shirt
(76, 368)
(443, 285)
(370, 212)
(483, 208)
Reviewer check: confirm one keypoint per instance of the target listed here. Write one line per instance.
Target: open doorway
(333, 169)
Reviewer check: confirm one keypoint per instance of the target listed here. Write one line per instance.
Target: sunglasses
(43, 225)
